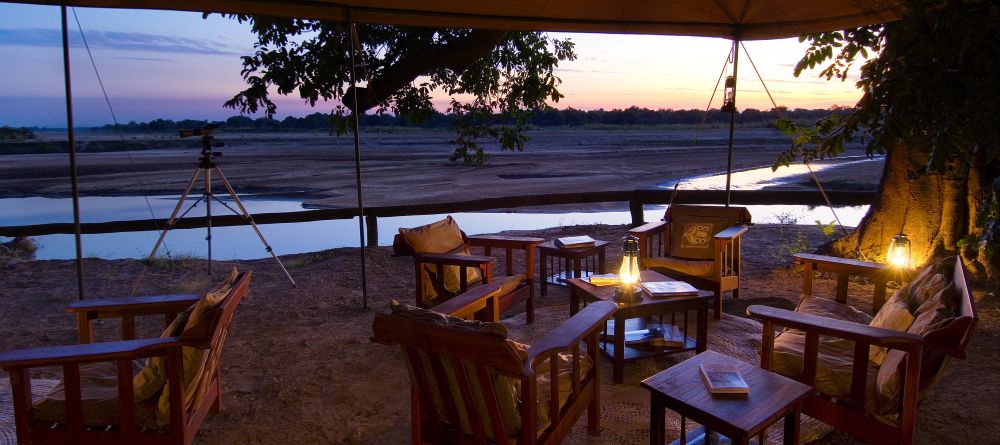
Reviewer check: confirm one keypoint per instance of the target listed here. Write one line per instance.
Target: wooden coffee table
(676, 307)
(737, 417)
(577, 263)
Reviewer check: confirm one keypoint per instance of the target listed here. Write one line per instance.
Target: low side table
(576, 263)
(681, 388)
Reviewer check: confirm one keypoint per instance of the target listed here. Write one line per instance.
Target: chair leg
(718, 303)
(736, 293)
(530, 305)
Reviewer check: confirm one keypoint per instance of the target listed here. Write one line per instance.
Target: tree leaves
(493, 76)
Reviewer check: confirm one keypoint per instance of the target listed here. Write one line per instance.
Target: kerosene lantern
(628, 273)
(899, 251)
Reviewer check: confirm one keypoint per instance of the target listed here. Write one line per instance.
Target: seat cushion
(692, 237)
(894, 314)
(99, 396)
(836, 356)
(442, 236)
(695, 268)
(509, 283)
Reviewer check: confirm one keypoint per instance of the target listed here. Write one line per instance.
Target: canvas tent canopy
(740, 19)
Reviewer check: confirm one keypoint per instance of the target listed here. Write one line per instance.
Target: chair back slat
(498, 431)
(465, 387)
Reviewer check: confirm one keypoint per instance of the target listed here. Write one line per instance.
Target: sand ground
(299, 366)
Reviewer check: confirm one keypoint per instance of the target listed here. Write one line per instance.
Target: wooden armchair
(470, 384)
(696, 244)
(869, 377)
(445, 266)
(98, 400)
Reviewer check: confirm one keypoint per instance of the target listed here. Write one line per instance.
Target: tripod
(206, 167)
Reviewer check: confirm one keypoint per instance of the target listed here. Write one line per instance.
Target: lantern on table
(628, 273)
(899, 251)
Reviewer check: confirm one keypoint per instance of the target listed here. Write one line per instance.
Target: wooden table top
(770, 394)
(607, 293)
(550, 246)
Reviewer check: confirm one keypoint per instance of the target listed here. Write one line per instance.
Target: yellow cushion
(194, 358)
(440, 237)
(895, 315)
(822, 307)
(509, 283)
(153, 375)
(695, 268)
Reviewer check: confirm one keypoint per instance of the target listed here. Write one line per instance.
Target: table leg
(574, 301)
(792, 426)
(807, 278)
(543, 270)
(577, 270)
(656, 421)
(702, 342)
(602, 269)
(619, 361)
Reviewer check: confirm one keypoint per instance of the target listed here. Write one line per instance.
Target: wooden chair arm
(145, 305)
(451, 259)
(732, 232)
(83, 353)
(839, 265)
(833, 327)
(504, 242)
(474, 300)
(569, 333)
(649, 228)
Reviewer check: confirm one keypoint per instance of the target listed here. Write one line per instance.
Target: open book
(723, 378)
(659, 289)
(574, 242)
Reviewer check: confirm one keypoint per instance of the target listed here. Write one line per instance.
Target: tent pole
(732, 120)
(72, 155)
(357, 159)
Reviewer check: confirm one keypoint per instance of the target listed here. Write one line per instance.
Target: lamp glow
(628, 273)
(899, 251)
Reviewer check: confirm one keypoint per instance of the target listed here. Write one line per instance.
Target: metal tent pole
(352, 34)
(732, 120)
(71, 142)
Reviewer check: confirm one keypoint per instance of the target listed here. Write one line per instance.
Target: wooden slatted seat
(98, 400)
(470, 384)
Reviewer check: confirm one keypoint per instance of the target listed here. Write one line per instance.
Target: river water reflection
(241, 242)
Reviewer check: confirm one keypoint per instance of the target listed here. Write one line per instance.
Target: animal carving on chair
(696, 235)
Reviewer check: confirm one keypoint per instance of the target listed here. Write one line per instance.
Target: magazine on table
(664, 336)
(574, 242)
(723, 378)
(658, 289)
(607, 279)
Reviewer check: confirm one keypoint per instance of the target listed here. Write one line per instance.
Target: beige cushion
(194, 358)
(692, 237)
(153, 375)
(440, 237)
(935, 312)
(836, 356)
(509, 283)
(695, 268)
(895, 315)
(99, 397)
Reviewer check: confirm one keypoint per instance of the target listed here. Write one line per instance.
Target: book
(575, 242)
(723, 378)
(608, 279)
(663, 336)
(659, 289)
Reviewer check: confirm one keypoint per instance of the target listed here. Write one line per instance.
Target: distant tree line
(551, 117)
(15, 134)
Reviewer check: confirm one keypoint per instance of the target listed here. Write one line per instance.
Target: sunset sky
(177, 65)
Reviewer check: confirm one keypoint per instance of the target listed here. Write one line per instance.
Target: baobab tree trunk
(935, 210)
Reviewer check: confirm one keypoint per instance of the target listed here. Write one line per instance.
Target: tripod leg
(246, 215)
(208, 215)
(173, 216)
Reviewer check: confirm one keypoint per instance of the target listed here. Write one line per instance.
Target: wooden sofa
(470, 384)
(96, 402)
(697, 244)
(870, 376)
(445, 266)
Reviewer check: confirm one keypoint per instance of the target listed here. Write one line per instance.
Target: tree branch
(456, 56)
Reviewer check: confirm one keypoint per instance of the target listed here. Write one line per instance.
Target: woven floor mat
(7, 434)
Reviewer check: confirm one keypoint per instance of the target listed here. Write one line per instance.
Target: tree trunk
(935, 210)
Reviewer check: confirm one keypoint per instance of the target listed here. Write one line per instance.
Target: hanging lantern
(729, 97)
(628, 273)
(899, 251)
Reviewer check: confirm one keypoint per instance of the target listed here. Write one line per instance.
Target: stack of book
(723, 378)
(575, 242)
(663, 336)
(608, 279)
(664, 289)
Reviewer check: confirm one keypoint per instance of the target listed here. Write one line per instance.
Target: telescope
(203, 131)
